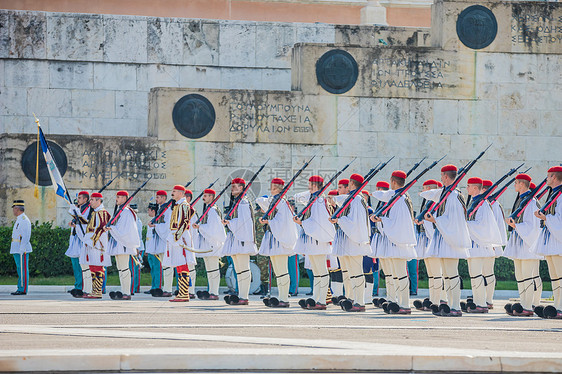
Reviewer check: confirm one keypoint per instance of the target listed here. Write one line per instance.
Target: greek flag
(56, 178)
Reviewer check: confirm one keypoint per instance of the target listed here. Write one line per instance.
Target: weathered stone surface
(157, 75)
(200, 77)
(240, 79)
(519, 122)
(320, 33)
(26, 33)
(523, 26)
(93, 104)
(71, 75)
(478, 117)
(4, 34)
(26, 73)
(13, 101)
(125, 39)
(115, 76)
(252, 116)
(445, 116)
(22, 124)
(201, 42)
(378, 36)
(119, 127)
(274, 45)
(129, 104)
(419, 73)
(165, 41)
(49, 102)
(237, 43)
(76, 37)
(276, 79)
(551, 124)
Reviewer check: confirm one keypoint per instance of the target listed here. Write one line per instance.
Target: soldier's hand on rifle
(297, 220)
(429, 217)
(150, 224)
(195, 226)
(417, 222)
(540, 215)
(224, 222)
(510, 222)
(72, 224)
(334, 220)
(263, 221)
(374, 218)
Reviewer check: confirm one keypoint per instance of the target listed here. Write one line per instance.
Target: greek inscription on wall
(536, 29)
(271, 118)
(409, 74)
(127, 164)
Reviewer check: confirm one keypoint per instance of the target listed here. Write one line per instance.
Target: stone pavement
(52, 331)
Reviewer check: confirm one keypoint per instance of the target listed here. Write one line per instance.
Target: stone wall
(104, 88)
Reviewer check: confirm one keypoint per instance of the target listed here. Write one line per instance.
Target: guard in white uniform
(398, 239)
(316, 234)
(525, 231)
(485, 235)
(352, 243)
(154, 247)
(162, 229)
(76, 249)
(21, 247)
(278, 241)
(336, 290)
(209, 235)
(379, 252)
(240, 243)
(191, 258)
(549, 243)
(124, 241)
(451, 240)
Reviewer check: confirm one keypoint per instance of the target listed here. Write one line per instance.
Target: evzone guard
(96, 242)
(525, 229)
(76, 249)
(279, 240)
(549, 243)
(154, 247)
(239, 244)
(485, 235)
(397, 239)
(123, 242)
(179, 241)
(209, 234)
(316, 234)
(161, 225)
(352, 243)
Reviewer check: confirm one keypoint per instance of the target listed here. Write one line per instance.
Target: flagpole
(36, 191)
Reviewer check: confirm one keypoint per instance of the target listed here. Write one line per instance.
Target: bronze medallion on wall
(194, 116)
(29, 161)
(337, 71)
(477, 27)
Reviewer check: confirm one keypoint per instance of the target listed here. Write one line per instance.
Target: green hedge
(50, 243)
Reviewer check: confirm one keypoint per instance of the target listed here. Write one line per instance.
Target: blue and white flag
(56, 177)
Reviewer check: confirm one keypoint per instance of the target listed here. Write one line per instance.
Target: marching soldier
(485, 235)
(123, 243)
(525, 231)
(191, 259)
(239, 244)
(549, 243)
(178, 242)
(76, 250)
(336, 277)
(162, 228)
(338, 199)
(278, 241)
(209, 235)
(352, 243)
(96, 242)
(451, 239)
(21, 247)
(135, 262)
(154, 248)
(398, 240)
(316, 234)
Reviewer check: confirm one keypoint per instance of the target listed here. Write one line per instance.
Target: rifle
(488, 193)
(276, 200)
(241, 196)
(527, 200)
(492, 199)
(449, 189)
(551, 200)
(115, 217)
(322, 190)
(415, 166)
(213, 203)
(386, 207)
(374, 171)
(540, 195)
(165, 206)
(201, 194)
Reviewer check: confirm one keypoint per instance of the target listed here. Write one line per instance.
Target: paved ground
(49, 331)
